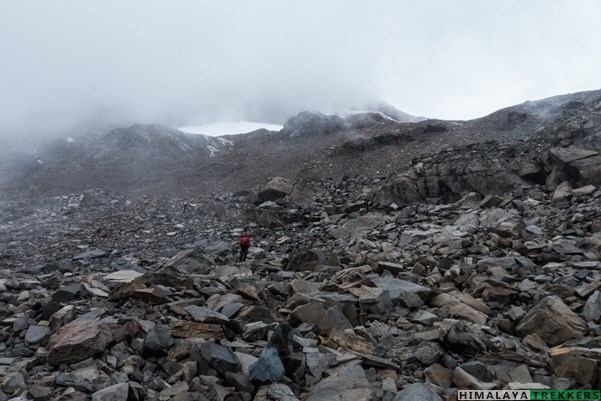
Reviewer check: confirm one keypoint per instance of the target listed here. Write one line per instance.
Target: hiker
(244, 245)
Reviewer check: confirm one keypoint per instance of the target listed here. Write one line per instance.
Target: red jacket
(245, 239)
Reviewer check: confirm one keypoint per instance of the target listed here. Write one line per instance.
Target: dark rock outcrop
(309, 123)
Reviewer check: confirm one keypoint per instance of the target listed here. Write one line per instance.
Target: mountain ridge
(163, 160)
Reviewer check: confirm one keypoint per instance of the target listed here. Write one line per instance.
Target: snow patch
(344, 113)
(225, 141)
(229, 128)
(213, 150)
(184, 146)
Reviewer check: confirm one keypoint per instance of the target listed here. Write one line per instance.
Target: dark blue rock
(240, 382)
(70, 292)
(268, 368)
(220, 358)
(37, 334)
(158, 339)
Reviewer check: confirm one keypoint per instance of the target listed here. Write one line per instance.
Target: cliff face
(565, 152)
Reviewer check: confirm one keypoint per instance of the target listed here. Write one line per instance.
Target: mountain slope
(154, 159)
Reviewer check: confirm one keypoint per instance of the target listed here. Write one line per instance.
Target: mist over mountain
(159, 159)
(72, 66)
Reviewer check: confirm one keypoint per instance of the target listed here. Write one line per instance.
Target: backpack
(245, 239)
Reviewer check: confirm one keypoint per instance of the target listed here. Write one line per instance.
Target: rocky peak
(309, 123)
(152, 139)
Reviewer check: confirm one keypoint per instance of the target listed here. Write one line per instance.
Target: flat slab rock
(417, 392)
(94, 253)
(572, 153)
(123, 276)
(397, 287)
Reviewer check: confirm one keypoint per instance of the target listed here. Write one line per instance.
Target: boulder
(280, 392)
(311, 313)
(562, 191)
(396, 288)
(310, 260)
(592, 308)
(553, 321)
(587, 190)
(454, 307)
(158, 339)
(529, 169)
(465, 339)
(464, 380)
(439, 375)
(572, 365)
(219, 357)
(571, 153)
(276, 188)
(70, 292)
(77, 341)
(37, 334)
(402, 190)
(345, 382)
(417, 392)
(191, 261)
(117, 392)
(268, 368)
(581, 165)
(333, 318)
(12, 383)
(356, 228)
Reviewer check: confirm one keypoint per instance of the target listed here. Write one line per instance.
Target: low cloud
(73, 65)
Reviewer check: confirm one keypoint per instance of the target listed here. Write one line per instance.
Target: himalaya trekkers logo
(537, 395)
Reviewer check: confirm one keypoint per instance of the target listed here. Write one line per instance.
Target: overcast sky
(67, 62)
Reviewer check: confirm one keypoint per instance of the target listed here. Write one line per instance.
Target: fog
(75, 65)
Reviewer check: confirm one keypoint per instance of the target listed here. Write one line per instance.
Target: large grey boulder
(553, 321)
(344, 382)
(576, 163)
(158, 339)
(276, 188)
(592, 308)
(190, 261)
(310, 260)
(456, 308)
(77, 341)
(219, 357)
(358, 227)
(269, 368)
(402, 190)
(398, 288)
